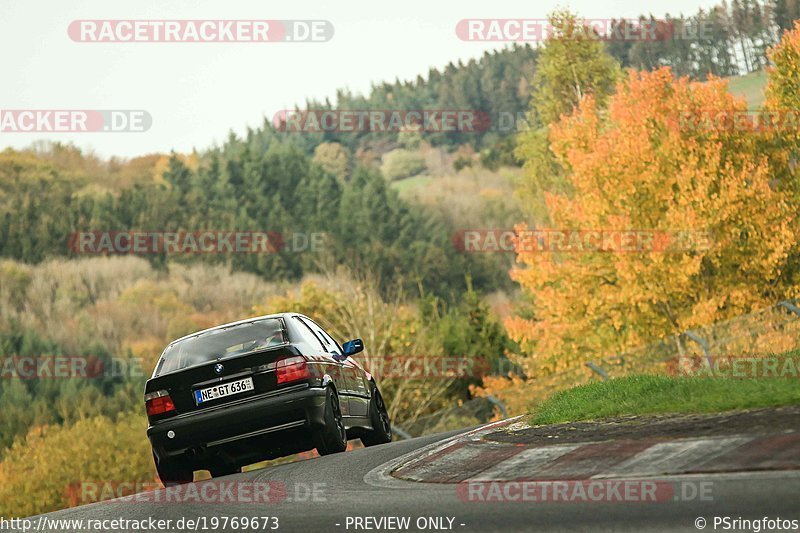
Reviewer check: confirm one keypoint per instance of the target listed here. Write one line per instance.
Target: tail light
(292, 369)
(158, 403)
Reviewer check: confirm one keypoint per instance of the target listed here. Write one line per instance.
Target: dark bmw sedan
(258, 389)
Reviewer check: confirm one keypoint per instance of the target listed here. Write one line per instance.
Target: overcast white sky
(198, 92)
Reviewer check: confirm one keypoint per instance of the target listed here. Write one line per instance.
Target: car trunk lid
(258, 366)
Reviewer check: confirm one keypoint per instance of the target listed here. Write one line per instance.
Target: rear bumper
(266, 420)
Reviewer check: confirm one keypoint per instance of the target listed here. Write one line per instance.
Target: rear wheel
(224, 470)
(332, 437)
(172, 473)
(381, 427)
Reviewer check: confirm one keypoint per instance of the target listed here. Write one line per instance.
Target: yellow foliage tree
(781, 142)
(41, 472)
(652, 162)
(783, 89)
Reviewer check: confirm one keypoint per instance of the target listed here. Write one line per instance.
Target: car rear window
(221, 343)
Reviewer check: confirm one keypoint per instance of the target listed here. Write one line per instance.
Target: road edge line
(381, 475)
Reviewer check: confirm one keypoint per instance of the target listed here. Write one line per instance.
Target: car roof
(243, 321)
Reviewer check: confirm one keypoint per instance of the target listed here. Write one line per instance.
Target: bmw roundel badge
(218, 368)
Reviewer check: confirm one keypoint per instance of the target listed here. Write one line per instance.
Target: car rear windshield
(221, 343)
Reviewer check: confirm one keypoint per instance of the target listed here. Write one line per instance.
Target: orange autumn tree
(653, 161)
(783, 89)
(781, 142)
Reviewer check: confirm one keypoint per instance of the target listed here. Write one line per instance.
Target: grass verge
(645, 394)
(750, 87)
(408, 185)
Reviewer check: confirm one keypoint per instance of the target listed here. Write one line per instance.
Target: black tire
(224, 470)
(332, 437)
(381, 432)
(172, 473)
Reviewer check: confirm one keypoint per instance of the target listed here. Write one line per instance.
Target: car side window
(326, 337)
(308, 334)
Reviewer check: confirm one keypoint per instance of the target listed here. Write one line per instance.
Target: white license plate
(223, 390)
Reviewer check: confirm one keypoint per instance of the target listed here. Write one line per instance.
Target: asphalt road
(342, 494)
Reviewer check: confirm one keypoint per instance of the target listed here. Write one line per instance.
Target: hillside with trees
(600, 147)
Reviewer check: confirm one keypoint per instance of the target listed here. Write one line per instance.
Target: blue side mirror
(353, 347)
